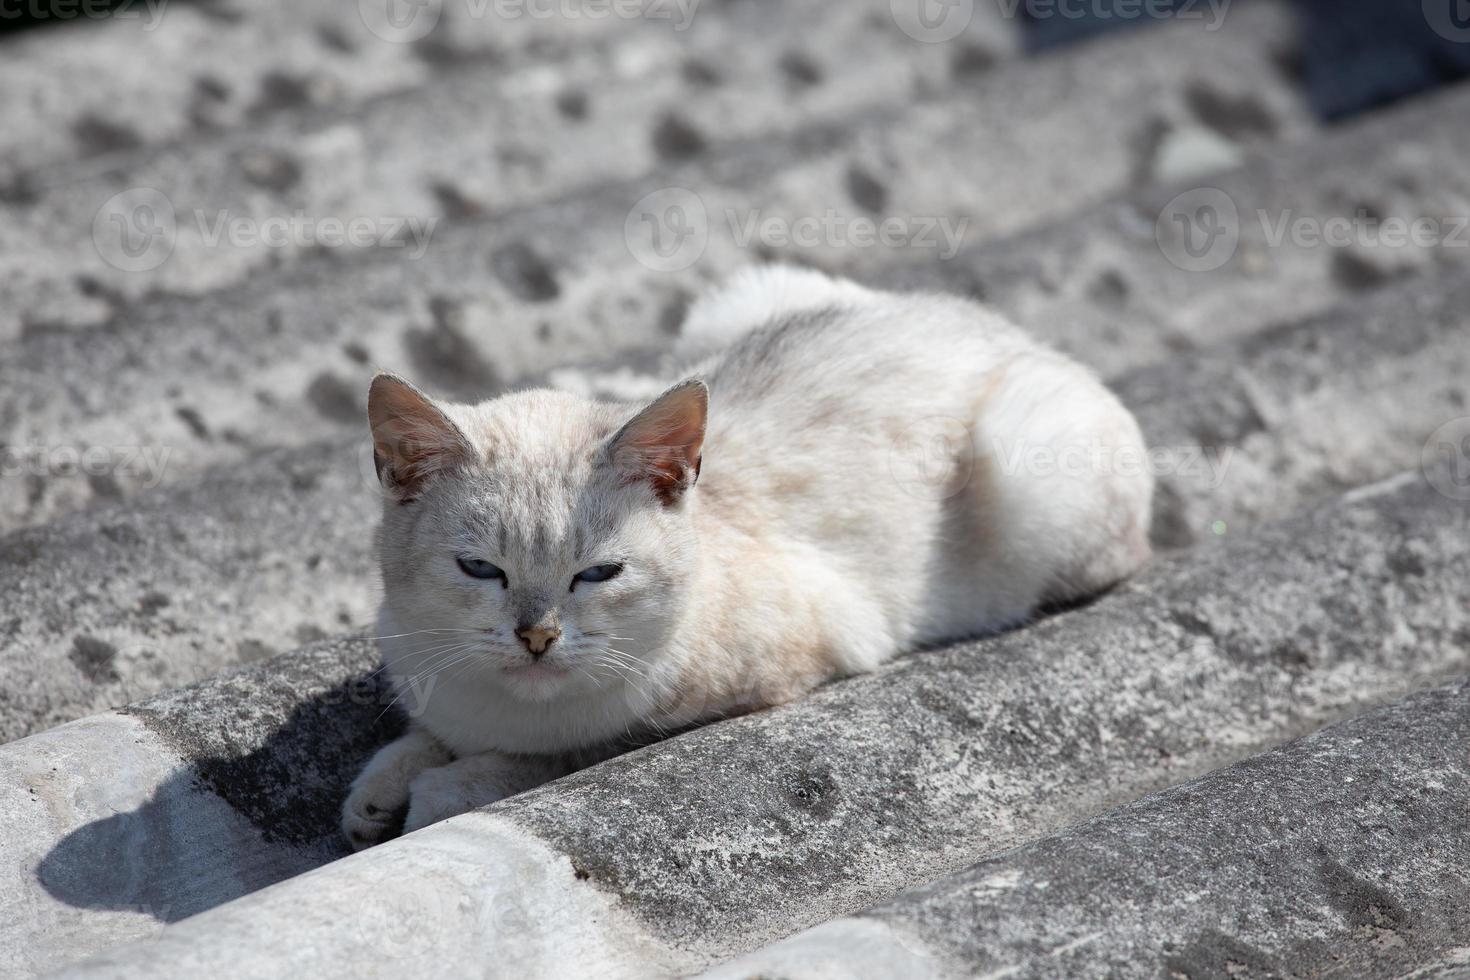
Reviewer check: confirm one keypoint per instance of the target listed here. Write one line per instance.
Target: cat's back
(828, 354)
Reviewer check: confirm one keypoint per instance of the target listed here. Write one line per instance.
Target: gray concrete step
(1111, 271)
(477, 139)
(1342, 854)
(105, 94)
(734, 835)
(283, 359)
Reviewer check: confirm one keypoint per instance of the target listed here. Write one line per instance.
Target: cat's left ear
(661, 445)
(413, 440)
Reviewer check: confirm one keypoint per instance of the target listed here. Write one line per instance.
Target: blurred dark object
(1352, 55)
(1360, 54)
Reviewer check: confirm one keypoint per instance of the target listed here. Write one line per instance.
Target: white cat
(857, 473)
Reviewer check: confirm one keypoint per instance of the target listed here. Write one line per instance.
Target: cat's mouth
(536, 671)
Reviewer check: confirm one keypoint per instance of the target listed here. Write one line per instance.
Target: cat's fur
(858, 474)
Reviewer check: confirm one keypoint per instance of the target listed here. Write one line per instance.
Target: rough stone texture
(122, 602)
(740, 833)
(471, 142)
(1303, 411)
(281, 359)
(1100, 273)
(1346, 853)
(199, 70)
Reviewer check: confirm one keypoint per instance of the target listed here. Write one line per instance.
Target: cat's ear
(661, 445)
(412, 437)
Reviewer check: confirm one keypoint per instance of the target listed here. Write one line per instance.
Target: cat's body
(876, 472)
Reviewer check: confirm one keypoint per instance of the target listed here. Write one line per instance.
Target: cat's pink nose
(538, 639)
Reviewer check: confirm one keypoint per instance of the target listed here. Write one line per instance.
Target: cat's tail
(752, 298)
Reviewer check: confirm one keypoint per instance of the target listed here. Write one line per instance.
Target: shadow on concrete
(228, 823)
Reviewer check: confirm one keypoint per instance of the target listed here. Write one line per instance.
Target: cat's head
(541, 542)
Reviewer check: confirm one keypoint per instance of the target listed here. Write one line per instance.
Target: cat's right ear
(412, 437)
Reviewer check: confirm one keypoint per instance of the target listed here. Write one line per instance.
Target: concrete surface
(479, 139)
(1100, 273)
(195, 71)
(222, 514)
(1342, 854)
(271, 347)
(731, 836)
(1266, 424)
(1364, 418)
(118, 833)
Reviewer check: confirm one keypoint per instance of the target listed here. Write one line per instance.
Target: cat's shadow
(226, 824)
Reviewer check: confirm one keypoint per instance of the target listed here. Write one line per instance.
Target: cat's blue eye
(597, 573)
(476, 568)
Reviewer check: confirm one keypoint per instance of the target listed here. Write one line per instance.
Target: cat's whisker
(447, 658)
(617, 669)
(397, 636)
(610, 636)
(424, 651)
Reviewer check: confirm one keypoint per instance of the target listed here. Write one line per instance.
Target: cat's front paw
(439, 794)
(374, 807)
(373, 811)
